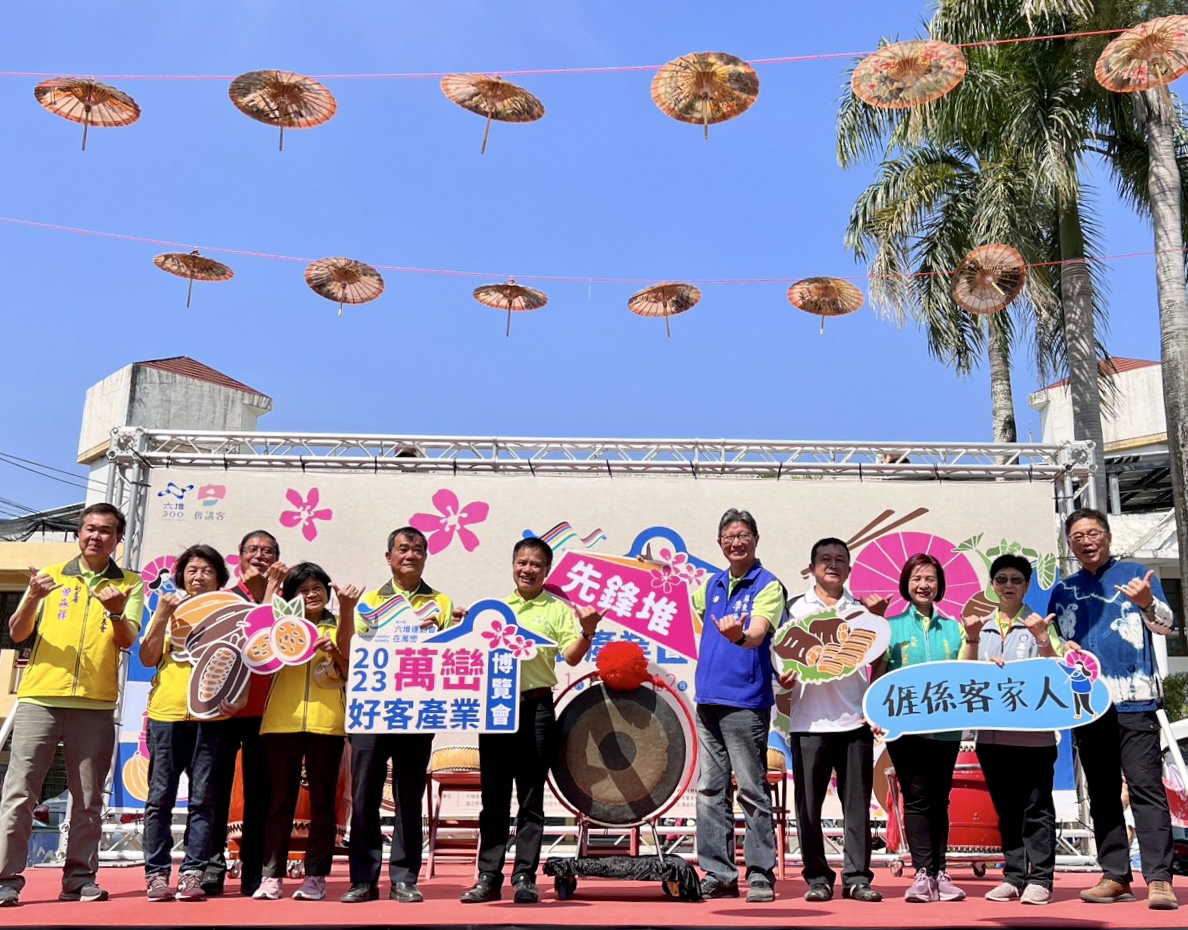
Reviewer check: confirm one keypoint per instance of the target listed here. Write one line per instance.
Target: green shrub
(1175, 695)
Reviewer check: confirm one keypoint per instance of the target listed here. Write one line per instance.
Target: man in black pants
(261, 574)
(523, 757)
(408, 752)
(1112, 608)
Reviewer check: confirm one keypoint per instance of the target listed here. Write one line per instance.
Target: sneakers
(312, 889)
(1160, 897)
(270, 890)
(945, 889)
(1108, 891)
(158, 887)
(1004, 892)
(1035, 894)
(88, 892)
(759, 889)
(9, 896)
(861, 892)
(189, 887)
(714, 887)
(922, 890)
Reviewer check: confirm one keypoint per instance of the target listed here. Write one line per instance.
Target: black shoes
(487, 888)
(819, 891)
(861, 892)
(525, 890)
(714, 887)
(759, 889)
(361, 891)
(406, 893)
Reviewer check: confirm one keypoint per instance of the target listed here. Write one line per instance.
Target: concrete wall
(1137, 421)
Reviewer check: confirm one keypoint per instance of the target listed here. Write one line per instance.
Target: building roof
(190, 368)
(1115, 366)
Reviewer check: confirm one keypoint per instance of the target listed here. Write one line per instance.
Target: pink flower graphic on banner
(674, 570)
(450, 519)
(499, 636)
(306, 512)
(521, 647)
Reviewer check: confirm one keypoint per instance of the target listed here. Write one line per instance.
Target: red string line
(537, 72)
(570, 279)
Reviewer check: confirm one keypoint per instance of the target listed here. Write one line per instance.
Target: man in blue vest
(740, 608)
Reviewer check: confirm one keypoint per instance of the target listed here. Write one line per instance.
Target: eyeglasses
(1090, 536)
(743, 538)
(266, 551)
(1015, 580)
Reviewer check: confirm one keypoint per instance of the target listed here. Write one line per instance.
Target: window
(1173, 590)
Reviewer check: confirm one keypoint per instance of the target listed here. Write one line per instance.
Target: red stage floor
(599, 903)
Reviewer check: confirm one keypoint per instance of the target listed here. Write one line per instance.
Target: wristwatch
(587, 636)
(742, 638)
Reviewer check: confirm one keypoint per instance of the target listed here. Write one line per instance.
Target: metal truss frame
(134, 452)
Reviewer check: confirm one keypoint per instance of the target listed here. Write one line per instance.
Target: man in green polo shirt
(81, 614)
(523, 757)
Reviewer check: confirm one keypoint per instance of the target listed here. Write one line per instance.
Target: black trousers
(522, 758)
(1019, 779)
(924, 767)
(815, 756)
(409, 754)
(240, 733)
(322, 756)
(1126, 743)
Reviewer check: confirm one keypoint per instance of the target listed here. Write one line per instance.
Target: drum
(973, 823)
(342, 809)
(624, 757)
(454, 759)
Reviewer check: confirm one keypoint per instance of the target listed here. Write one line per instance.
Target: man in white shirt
(828, 732)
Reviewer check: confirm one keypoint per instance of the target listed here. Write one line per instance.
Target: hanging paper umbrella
(345, 280)
(1151, 54)
(284, 99)
(88, 102)
(493, 98)
(706, 87)
(510, 297)
(825, 297)
(194, 266)
(989, 278)
(666, 300)
(908, 74)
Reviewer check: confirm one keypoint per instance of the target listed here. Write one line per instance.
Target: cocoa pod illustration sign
(828, 645)
(228, 639)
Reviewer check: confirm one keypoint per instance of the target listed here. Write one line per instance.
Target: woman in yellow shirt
(177, 742)
(305, 721)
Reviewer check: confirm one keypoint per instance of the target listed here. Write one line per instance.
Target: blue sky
(603, 186)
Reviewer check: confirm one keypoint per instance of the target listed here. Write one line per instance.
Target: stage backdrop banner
(341, 520)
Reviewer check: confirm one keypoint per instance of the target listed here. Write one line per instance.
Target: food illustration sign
(648, 598)
(228, 639)
(827, 645)
(1030, 694)
(465, 679)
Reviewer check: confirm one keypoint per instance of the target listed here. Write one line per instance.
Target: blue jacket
(728, 674)
(1093, 613)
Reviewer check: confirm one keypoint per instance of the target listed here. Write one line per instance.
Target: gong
(623, 756)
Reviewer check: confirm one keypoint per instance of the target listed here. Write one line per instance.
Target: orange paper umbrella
(1151, 54)
(908, 74)
(706, 87)
(510, 297)
(345, 280)
(989, 278)
(666, 300)
(284, 99)
(493, 98)
(194, 266)
(825, 297)
(88, 102)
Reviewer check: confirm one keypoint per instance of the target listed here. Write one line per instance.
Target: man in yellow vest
(81, 614)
